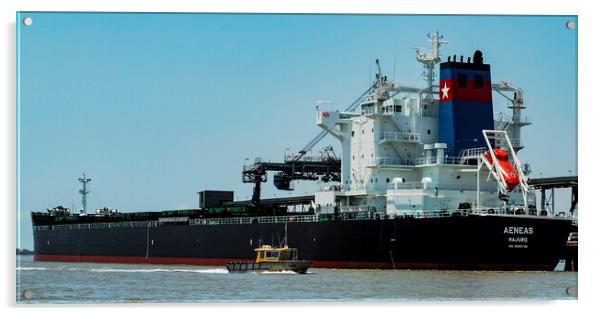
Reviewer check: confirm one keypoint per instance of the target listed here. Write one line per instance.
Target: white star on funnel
(445, 90)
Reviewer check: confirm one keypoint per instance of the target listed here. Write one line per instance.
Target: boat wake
(118, 270)
(278, 272)
(209, 271)
(31, 269)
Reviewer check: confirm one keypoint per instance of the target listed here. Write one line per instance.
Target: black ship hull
(491, 242)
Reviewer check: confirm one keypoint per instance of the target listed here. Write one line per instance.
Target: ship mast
(84, 192)
(429, 60)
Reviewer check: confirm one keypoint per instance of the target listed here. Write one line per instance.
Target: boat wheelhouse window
(398, 108)
(352, 133)
(388, 180)
(462, 81)
(478, 81)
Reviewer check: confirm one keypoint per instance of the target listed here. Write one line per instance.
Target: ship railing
(307, 158)
(380, 161)
(416, 185)
(445, 161)
(521, 119)
(348, 213)
(419, 185)
(357, 209)
(252, 220)
(399, 110)
(132, 224)
(508, 211)
(472, 153)
(405, 137)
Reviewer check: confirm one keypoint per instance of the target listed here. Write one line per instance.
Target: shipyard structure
(426, 178)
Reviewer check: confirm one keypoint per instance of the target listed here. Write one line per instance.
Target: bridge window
(462, 81)
(478, 81)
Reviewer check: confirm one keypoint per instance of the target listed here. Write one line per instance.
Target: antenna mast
(429, 60)
(84, 192)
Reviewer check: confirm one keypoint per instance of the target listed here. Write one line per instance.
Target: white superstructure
(393, 161)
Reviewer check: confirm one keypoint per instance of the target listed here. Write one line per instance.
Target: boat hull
(491, 242)
(297, 266)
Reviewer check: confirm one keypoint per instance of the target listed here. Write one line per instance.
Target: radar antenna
(430, 59)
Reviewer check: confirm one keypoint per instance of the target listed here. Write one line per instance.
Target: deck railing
(349, 213)
(404, 137)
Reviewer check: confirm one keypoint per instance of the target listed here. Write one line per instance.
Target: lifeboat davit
(507, 170)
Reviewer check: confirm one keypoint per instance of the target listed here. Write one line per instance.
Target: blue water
(57, 282)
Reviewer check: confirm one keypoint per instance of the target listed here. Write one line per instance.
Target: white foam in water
(278, 272)
(209, 271)
(31, 268)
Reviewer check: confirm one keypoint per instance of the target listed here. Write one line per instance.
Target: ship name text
(510, 230)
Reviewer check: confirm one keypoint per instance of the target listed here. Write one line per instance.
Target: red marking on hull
(315, 263)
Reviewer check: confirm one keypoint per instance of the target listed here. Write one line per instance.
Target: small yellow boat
(272, 259)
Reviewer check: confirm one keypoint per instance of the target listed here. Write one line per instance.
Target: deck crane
(326, 166)
(517, 104)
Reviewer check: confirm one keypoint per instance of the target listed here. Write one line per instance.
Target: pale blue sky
(155, 107)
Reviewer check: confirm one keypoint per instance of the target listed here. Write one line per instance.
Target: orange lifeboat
(508, 172)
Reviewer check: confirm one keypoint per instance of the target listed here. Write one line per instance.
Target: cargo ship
(426, 178)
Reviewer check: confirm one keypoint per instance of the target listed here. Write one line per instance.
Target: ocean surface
(58, 282)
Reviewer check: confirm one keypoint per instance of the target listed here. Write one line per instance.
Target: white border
(589, 118)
